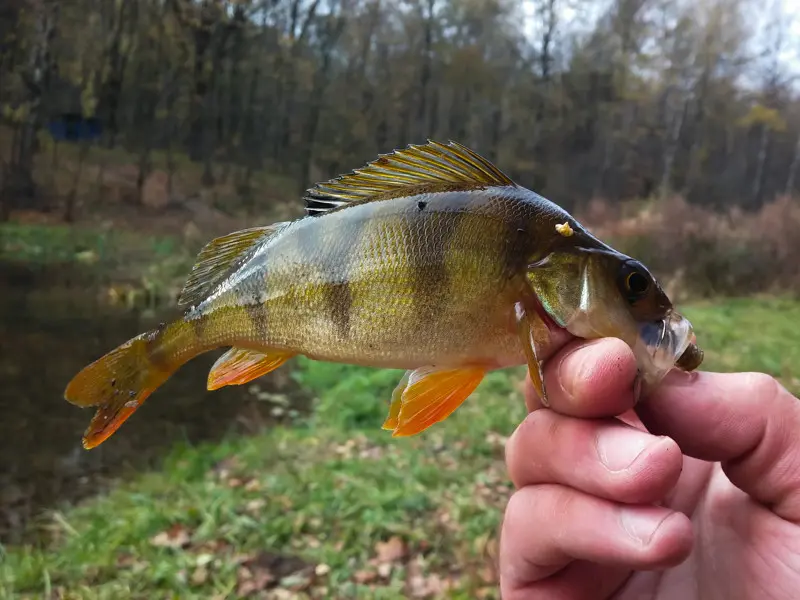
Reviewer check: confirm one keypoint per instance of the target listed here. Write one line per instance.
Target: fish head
(599, 292)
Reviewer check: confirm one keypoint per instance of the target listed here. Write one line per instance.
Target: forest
(577, 99)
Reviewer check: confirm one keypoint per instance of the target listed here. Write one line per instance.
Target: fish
(428, 259)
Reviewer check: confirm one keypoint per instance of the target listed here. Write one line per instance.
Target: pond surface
(47, 334)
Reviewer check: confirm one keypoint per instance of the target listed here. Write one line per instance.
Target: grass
(127, 260)
(47, 244)
(332, 506)
(750, 334)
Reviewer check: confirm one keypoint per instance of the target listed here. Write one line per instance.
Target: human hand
(704, 505)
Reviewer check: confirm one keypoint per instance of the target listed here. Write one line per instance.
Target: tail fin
(119, 382)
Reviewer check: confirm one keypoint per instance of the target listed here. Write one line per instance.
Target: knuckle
(763, 386)
(517, 512)
(540, 423)
(534, 507)
(529, 433)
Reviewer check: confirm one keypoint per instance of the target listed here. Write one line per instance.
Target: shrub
(700, 252)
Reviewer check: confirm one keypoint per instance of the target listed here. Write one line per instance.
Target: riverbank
(329, 505)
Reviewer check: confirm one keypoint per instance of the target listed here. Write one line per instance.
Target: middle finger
(605, 458)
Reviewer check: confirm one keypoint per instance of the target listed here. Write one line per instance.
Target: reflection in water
(46, 336)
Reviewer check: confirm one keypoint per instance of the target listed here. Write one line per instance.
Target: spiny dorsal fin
(432, 167)
(221, 257)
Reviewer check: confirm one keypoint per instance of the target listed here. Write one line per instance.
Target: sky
(761, 13)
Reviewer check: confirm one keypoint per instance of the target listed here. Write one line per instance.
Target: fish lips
(664, 344)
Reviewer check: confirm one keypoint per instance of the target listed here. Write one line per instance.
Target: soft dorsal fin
(221, 257)
(432, 167)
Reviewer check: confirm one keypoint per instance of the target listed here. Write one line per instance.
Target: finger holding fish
(580, 443)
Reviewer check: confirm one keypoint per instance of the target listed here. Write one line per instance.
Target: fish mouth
(665, 344)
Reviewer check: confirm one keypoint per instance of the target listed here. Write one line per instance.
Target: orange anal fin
(533, 335)
(394, 406)
(432, 395)
(238, 366)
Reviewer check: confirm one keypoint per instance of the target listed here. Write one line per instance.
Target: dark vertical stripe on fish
(339, 293)
(339, 299)
(198, 326)
(328, 251)
(433, 234)
(258, 313)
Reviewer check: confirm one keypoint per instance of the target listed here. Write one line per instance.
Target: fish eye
(636, 283)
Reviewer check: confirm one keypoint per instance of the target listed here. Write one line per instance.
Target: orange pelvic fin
(238, 366)
(431, 395)
(533, 336)
(397, 401)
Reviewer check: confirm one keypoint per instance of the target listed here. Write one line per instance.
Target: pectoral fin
(238, 366)
(394, 406)
(534, 336)
(430, 396)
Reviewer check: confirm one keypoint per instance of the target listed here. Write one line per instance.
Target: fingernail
(572, 366)
(618, 448)
(642, 523)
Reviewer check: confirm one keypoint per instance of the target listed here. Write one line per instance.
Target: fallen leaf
(225, 467)
(239, 559)
(254, 506)
(203, 559)
(300, 580)
(384, 570)
(200, 576)
(487, 574)
(176, 536)
(371, 453)
(495, 439)
(426, 587)
(391, 550)
(253, 580)
(264, 570)
(126, 560)
(252, 485)
(213, 547)
(365, 576)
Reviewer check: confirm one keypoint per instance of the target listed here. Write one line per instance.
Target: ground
(332, 506)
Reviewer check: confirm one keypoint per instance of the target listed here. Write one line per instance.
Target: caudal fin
(119, 382)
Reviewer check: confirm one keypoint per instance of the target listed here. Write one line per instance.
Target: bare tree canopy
(651, 97)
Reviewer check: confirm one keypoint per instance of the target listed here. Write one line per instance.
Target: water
(47, 334)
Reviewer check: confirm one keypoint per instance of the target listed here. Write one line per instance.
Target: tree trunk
(790, 179)
(18, 184)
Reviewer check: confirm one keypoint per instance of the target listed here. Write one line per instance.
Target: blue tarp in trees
(74, 127)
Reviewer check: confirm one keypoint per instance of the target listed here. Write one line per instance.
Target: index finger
(588, 379)
(747, 421)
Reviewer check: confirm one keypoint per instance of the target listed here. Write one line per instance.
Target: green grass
(66, 243)
(750, 334)
(147, 261)
(311, 507)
